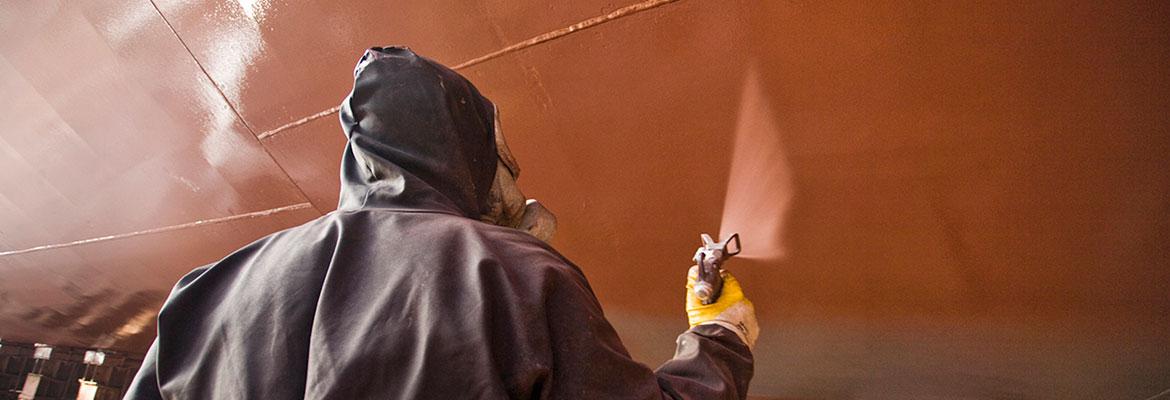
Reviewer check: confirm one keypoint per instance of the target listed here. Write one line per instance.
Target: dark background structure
(62, 372)
(969, 200)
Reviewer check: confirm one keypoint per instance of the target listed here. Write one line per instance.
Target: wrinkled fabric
(401, 293)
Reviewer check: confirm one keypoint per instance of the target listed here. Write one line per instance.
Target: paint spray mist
(759, 184)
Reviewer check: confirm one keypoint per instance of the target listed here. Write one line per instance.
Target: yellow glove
(731, 310)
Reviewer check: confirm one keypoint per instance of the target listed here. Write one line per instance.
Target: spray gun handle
(704, 292)
(709, 282)
(709, 257)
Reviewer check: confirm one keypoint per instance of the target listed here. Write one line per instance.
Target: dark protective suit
(402, 293)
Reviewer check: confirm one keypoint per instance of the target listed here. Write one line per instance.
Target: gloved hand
(731, 310)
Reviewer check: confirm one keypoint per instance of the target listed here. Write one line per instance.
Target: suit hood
(419, 137)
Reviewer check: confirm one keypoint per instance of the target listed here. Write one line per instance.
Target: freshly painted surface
(946, 201)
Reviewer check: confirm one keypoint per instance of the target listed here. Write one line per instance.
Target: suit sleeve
(590, 361)
(145, 383)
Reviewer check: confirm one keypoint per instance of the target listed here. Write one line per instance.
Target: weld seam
(535, 40)
(208, 222)
(299, 122)
(586, 24)
(1159, 395)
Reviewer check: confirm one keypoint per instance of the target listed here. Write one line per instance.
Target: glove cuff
(741, 332)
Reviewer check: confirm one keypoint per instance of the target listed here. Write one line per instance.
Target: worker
(428, 282)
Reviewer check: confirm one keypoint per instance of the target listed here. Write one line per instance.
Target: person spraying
(430, 281)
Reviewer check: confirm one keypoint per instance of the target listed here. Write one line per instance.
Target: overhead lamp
(42, 351)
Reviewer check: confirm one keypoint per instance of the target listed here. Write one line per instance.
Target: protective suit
(402, 292)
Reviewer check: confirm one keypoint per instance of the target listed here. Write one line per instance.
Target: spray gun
(709, 257)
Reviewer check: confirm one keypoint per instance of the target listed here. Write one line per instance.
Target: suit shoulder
(515, 246)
